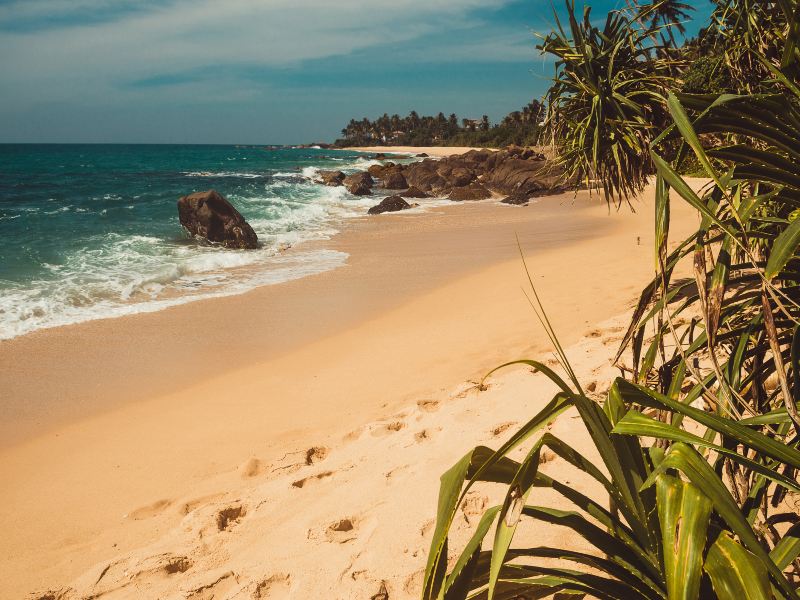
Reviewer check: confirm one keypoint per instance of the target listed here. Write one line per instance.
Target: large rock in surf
(331, 178)
(359, 189)
(360, 178)
(210, 216)
(389, 204)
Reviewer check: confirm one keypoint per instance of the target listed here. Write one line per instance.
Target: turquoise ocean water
(91, 231)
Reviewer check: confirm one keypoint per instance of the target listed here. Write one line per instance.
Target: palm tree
(666, 14)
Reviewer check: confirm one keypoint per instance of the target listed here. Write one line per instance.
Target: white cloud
(187, 34)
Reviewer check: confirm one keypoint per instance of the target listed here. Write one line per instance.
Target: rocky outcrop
(519, 175)
(389, 204)
(474, 191)
(394, 180)
(414, 192)
(210, 216)
(424, 175)
(359, 189)
(460, 177)
(331, 178)
(514, 172)
(379, 170)
(359, 179)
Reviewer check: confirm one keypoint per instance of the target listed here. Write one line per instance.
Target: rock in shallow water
(210, 216)
(331, 178)
(389, 204)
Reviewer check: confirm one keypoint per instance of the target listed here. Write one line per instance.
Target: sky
(261, 71)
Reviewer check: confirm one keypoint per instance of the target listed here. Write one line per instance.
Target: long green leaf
(683, 511)
(736, 573)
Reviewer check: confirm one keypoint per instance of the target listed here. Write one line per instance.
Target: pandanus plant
(606, 103)
(698, 443)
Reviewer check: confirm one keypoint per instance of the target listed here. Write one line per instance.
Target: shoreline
(279, 273)
(434, 151)
(119, 422)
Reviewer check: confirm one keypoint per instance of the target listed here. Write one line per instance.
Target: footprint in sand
(396, 471)
(388, 428)
(474, 505)
(428, 405)
(219, 587)
(316, 454)
(252, 467)
(151, 510)
(423, 436)
(62, 594)
(383, 593)
(276, 587)
(192, 505)
(342, 531)
(502, 427)
(301, 483)
(228, 517)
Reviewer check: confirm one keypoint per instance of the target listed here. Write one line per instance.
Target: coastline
(158, 409)
(436, 151)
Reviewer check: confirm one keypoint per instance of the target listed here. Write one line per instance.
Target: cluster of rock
(517, 173)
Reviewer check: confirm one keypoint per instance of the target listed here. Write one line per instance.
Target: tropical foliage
(698, 443)
(606, 102)
(519, 127)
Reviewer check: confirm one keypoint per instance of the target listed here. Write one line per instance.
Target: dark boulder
(210, 216)
(379, 156)
(379, 170)
(394, 180)
(476, 156)
(474, 191)
(527, 176)
(376, 170)
(359, 189)
(423, 175)
(459, 177)
(414, 192)
(422, 155)
(427, 181)
(331, 178)
(361, 178)
(389, 204)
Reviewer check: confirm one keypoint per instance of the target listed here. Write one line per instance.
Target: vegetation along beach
(507, 337)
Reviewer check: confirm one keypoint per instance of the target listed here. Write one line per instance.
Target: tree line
(519, 127)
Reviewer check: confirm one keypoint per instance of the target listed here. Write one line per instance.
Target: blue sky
(261, 71)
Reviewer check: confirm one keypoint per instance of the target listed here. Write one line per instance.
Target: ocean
(92, 231)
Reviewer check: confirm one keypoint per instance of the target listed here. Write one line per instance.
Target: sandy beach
(287, 442)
